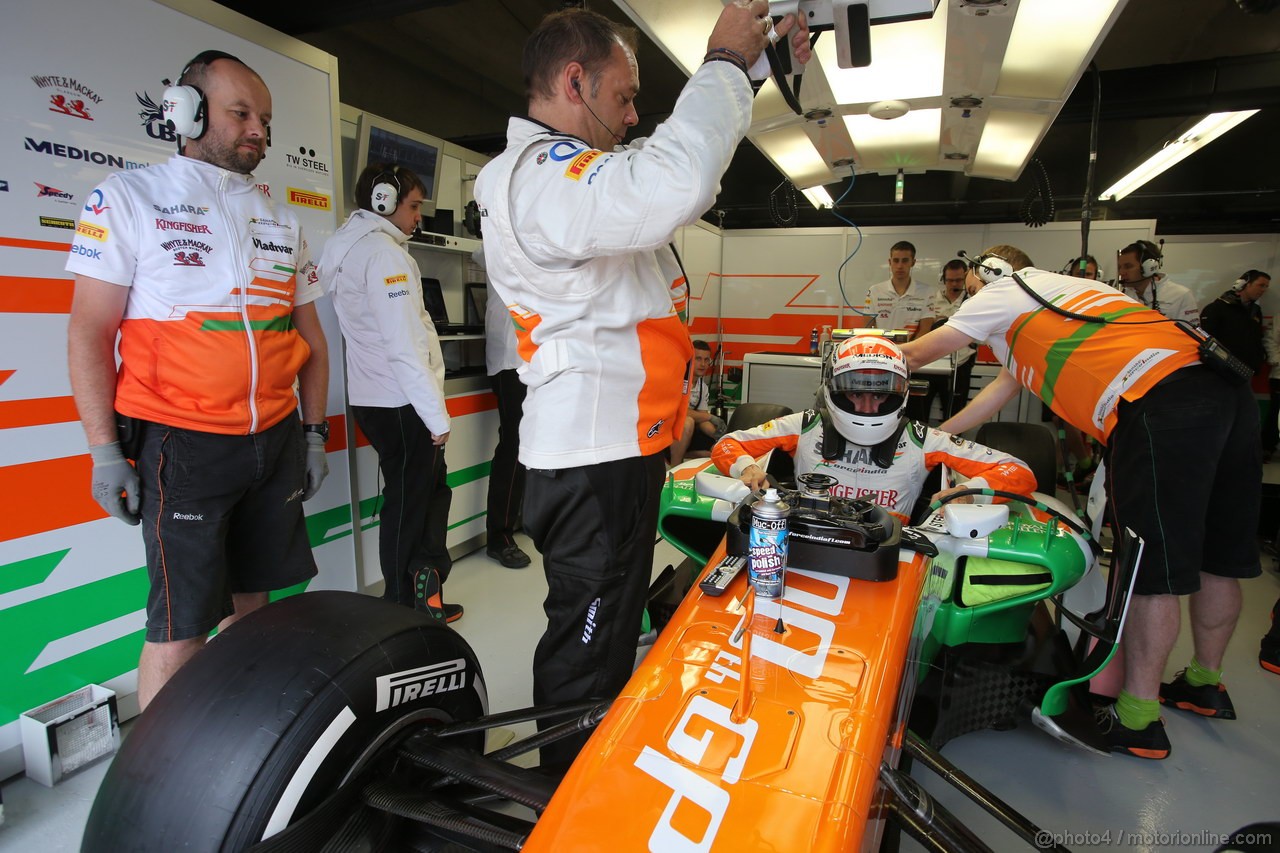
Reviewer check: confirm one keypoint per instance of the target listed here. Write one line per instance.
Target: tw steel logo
(410, 684)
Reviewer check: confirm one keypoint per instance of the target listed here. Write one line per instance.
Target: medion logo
(70, 152)
(409, 684)
(268, 246)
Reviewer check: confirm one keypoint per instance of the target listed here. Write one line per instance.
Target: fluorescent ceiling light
(1050, 45)
(818, 197)
(793, 153)
(1008, 138)
(906, 62)
(907, 142)
(1205, 131)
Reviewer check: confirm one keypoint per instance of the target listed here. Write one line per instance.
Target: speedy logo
(306, 198)
(409, 684)
(396, 279)
(46, 191)
(578, 167)
(177, 225)
(93, 232)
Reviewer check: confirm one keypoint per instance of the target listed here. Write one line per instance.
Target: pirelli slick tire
(273, 715)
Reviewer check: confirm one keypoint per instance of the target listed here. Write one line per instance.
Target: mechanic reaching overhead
(210, 288)
(1182, 460)
(576, 236)
(861, 436)
(395, 381)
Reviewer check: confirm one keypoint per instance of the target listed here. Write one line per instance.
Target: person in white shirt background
(1138, 273)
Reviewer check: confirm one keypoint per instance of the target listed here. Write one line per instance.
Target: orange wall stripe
(47, 245)
(47, 495)
(470, 404)
(25, 295)
(37, 412)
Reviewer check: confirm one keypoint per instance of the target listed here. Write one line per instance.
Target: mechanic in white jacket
(576, 235)
(395, 381)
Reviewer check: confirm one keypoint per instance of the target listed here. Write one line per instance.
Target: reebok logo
(188, 516)
(91, 254)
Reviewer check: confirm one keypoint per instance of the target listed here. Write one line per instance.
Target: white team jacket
(393, 354)
(575, 245)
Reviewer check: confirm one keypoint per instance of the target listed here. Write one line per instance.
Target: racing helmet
(866, 364)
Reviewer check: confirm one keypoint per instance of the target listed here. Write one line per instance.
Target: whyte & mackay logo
(69, 96)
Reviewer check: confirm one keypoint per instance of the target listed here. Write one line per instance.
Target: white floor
(1221, 776)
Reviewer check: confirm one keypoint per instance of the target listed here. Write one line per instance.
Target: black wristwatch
(321, 429)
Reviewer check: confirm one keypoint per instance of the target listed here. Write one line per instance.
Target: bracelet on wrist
(735, 63)
(729, 52)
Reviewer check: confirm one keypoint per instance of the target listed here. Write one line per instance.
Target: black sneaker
(1151, 742)
(1269, 655)
(426, 597)
(1211, 700)
(511, 556)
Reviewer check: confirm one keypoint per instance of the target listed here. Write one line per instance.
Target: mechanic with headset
(576, 238)
(395, 381)
(1085, 266)
(209, 351)
(860, 434)
(1184, 473)
(1138, 270)
(949, 297)
(1235, 318)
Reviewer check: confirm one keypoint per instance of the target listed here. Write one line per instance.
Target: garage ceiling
(452, 68)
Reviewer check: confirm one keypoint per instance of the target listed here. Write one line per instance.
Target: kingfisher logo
(410, 684)
(57, 222)
(93, 232)
(153, 119)
(265, 189)
(306, 198)
(46, 191)
(69, 96)
(268, 246)
(70, 152)
(176, 225)
(306, 160)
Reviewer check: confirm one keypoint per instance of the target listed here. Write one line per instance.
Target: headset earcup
(384, 197)
(183, 109)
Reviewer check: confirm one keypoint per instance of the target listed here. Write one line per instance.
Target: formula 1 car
(334, 721)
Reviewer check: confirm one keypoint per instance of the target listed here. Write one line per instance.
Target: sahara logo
(69, 95)
(410, 684)
(174, 210)
(153, 119)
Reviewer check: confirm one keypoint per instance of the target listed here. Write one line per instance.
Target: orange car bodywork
(703, 752)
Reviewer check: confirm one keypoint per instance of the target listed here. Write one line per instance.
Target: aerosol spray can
(767, 546)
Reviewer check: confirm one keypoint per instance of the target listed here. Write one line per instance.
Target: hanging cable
(782, 205)
(1037, 207)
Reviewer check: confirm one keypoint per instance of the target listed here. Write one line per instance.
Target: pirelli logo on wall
(396, 279)
(579, 165)
(306, 198)
(93, 232)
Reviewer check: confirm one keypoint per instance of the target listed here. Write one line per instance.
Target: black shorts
(1184, 471)
(221, 514)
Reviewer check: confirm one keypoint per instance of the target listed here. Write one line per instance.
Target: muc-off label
(767, 546)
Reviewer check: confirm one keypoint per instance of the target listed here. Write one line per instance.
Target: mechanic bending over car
(860, 435)
(576, 244)
(1183, 459)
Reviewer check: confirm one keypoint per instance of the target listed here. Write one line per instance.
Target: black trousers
(1270, 427)
(595, 527)
(506, 474)
(416, 498)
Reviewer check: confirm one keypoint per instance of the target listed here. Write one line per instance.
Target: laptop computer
(433, 299)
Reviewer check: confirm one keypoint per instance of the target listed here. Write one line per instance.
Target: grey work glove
(317, 464)
(116, 487)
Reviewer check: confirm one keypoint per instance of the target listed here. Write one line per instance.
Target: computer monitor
(477, 297)
(433, 299)
(380, 140)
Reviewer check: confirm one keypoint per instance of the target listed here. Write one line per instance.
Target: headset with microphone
(386, 192)
(987, 267)
(185, 108)
(1246, 278)
(577, 85)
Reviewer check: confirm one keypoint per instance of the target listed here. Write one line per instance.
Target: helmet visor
(868, 392)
